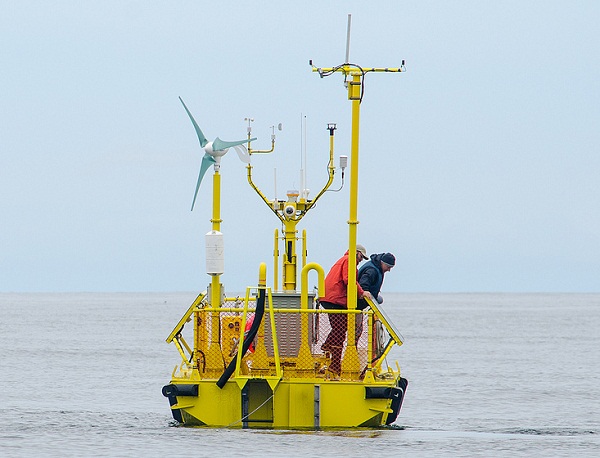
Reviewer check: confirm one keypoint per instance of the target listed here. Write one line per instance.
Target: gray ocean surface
(489, 375)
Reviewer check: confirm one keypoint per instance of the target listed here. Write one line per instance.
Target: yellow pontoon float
(256, 361)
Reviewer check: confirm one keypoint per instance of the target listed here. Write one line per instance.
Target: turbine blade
(242, 153)
(219, 145)
(201, 137)
(207, 160)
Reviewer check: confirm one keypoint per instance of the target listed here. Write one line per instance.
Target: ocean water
(490, 375)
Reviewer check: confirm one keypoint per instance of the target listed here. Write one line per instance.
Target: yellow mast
(355, 94)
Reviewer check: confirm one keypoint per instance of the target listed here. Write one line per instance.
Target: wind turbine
(215, 150)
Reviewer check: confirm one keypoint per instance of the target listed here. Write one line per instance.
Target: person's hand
(367, 294)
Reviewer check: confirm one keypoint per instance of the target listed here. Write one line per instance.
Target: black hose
(248, 339)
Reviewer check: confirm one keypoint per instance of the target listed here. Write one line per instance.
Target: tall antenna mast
(354, 81)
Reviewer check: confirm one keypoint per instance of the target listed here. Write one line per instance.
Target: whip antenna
(348, 40)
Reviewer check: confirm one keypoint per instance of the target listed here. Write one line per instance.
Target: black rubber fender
(172, 390)
(395, 393)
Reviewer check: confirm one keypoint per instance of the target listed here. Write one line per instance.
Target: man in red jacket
(336, 290)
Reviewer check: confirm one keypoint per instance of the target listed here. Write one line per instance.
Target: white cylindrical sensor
(215, 253)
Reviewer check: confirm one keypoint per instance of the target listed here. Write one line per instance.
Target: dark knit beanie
(389, 259)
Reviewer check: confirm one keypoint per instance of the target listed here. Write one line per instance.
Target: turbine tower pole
(215, 299)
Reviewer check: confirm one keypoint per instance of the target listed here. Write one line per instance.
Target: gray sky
(479, 165)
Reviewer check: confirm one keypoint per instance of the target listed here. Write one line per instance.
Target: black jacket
(370, 275)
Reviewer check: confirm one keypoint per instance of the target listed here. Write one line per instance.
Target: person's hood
(376, 260)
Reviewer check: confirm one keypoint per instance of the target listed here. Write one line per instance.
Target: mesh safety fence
(291, 343)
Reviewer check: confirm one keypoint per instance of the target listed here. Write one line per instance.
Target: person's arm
(361, 292)
(344, 268)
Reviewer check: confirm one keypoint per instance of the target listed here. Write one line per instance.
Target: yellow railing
(288, 344)
(298, 342)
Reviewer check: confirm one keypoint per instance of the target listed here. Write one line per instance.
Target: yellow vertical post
(289, 258)
(303, 248)
(354, 86)
(350, 362)
(276, 261)
(214, 357)
(369, 373)
(215, 299)
(260, 358)
(304, 355)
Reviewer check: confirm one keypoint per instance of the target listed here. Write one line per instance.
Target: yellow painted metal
(295, 396)
(214, 358)
(369, 378)
(350, 362)
(305, 355)
(330, 170)
(232, 323)
(176, 336)
(289, 257)
(216, 213)
(355, 95)
(289, 222)
(231, 328)
(291, 405)
(353, 221)
(186, 317)
(398, 339)
(260, 359)
(184, 357)
(262, 275)
(242, 334)
(258, 151)
(275, 401)
(278, 370)
(294, 405)
(304, 282)
(276, 260)
(185, 344)
(379, 363)
(215, 406)
(349, 69)
(303, 248)
(336, 407)
(215, 300)
(354, 89)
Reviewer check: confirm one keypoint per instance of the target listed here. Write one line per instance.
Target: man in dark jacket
(370, 278)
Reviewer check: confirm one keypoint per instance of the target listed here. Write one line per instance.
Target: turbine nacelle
(216, 155)
(218, 148)
(208, 149)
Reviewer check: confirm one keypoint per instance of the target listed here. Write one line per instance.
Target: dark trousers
(334, 343)
(335, 340)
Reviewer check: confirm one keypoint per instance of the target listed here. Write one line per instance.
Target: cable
(323, 74)
(246, 417)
